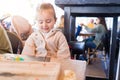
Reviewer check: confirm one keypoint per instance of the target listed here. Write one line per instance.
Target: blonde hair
(61, 23)
(45, 6)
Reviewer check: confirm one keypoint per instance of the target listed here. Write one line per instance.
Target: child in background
(47, 41)
(91, 24)
(61, 24)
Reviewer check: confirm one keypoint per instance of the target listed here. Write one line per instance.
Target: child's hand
(81, 24)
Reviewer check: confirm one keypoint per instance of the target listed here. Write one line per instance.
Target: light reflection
(25, 8)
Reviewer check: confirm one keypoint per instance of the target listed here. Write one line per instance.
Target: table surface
(77, 66)
(86, 34)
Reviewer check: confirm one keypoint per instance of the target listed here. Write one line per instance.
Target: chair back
(16, 43)
(77, 47)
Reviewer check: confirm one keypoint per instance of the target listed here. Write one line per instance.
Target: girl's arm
(63, 48)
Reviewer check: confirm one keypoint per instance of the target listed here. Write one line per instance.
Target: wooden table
(79, 67)
(86, 34)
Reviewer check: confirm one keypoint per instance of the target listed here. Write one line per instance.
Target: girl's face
(97, 21)
(46, 21)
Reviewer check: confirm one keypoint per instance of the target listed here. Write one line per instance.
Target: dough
(69, 75)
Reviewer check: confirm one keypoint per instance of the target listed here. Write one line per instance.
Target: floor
(97, 68)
